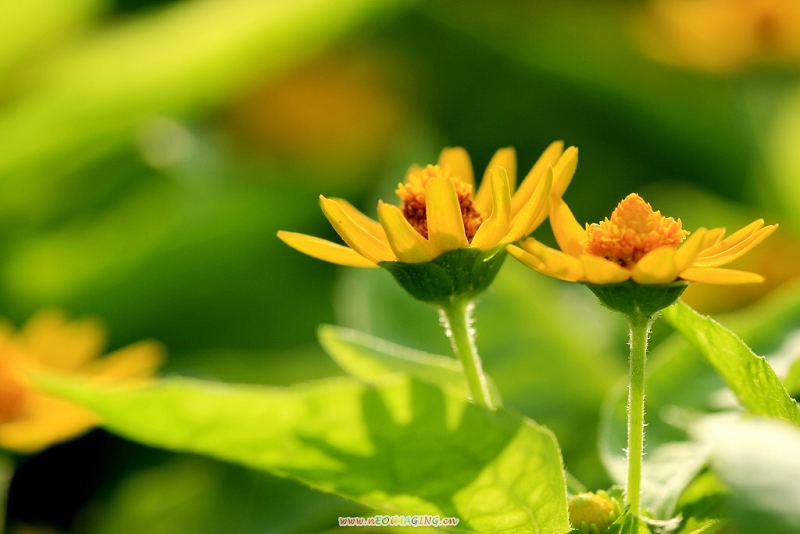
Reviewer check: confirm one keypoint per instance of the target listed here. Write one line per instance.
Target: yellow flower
(31, 420)
(639, 244)
(439, 212)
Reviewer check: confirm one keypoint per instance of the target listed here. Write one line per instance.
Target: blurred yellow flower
(31, 420)
(720, 35)
(639, 244)
(439, 213)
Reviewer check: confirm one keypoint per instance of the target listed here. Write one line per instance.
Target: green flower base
(462, 273)
(638, 301)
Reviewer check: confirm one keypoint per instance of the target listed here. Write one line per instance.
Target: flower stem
(457, 317)
(639, 331)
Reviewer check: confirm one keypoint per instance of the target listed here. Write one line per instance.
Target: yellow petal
(324, 250)
(457, 161)
(445, 224)
(139, 360)
(656, 267)
(564, 170)
(59, 343)
(713, 275)
(354, 234)
(733, 240)
(523, 222)
(370, 225)
(408, 244)
(690, 249)
(495, 228)
(526, 258)
(737, 250)
(48, 421)
(713, 237)
(554, 262)
(531, 182)
(506, 158)
(599, 270)
(568, 233)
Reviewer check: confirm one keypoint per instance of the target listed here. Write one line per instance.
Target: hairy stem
(639, 331)
(457, 317)
(6, 472)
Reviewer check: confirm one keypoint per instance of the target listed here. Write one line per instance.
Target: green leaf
(792, 380)
(703, 506)
(373, 359)
(403, 447)
(757, 459)
(750, 377)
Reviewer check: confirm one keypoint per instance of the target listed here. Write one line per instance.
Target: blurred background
(151, 149)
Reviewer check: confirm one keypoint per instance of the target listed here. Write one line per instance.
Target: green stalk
(457, 318)
(639, 331)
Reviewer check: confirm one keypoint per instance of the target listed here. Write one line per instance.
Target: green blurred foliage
(150, 150)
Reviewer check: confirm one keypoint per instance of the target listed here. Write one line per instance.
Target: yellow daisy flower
(31, 420)
(639, 244)
(439, 212)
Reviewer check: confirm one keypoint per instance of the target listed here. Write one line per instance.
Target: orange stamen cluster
(414, 205)
(633, 230)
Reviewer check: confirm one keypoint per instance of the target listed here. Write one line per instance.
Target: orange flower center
(414, 204)
(633, 230)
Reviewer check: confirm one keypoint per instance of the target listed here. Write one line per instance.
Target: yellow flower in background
(440, 210)
(720, 35)
(31, 420)
(639, 244)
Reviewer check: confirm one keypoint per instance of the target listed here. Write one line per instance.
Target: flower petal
(568, 233)
(445, 224)
(711, 275)
(523, 222)
(457, 161)
(713, 237)
(354, 234)
(564, 170)
(495, 228)
(408, 244)
(324, 250)
(599, 270)
(656, 267)
(136, 361)
(534, 177)
(506, 158)
(551, 262)
(737, 250)
(733, 240)
(370, 225)
(690, 249)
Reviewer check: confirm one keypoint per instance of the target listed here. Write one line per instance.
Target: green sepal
(462, 273)
(638, 301)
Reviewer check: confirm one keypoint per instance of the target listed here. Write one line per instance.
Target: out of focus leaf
(703, 506)
(406, 447)
(372, 359)
(749, 376)
(182, 59)
(30, 26)
(198, 496)
(758, 460)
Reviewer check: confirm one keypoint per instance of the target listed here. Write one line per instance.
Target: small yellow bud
(592, 513)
